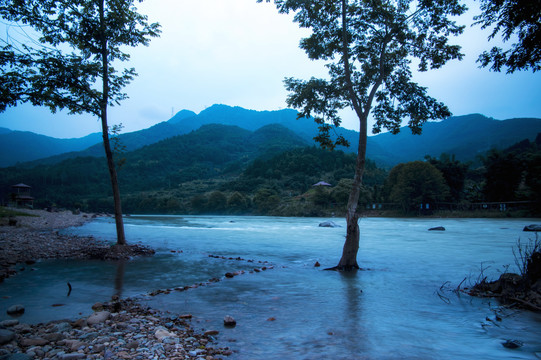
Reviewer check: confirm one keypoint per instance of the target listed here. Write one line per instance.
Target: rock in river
(437, 228)
(15, 310)
(532, 227)
(330, 224)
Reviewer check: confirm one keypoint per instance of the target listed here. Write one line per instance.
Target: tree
(513, 19)
(502, 177)
(453, 171)
(81, 79)
(369, 47)
(414, 184)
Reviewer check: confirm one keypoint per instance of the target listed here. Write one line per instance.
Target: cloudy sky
(237, 52)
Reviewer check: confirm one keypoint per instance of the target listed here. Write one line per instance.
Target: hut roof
(322, 183)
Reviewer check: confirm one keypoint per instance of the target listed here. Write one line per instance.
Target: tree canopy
(70, 64)
(370, 48)
(515, 20)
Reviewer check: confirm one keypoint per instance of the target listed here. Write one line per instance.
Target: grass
(8, 212)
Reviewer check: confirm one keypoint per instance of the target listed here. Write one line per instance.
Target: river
(400, 306)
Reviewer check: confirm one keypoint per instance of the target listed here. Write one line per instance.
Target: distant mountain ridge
(22, 146)
(465, 136)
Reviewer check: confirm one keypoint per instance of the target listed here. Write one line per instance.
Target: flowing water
(401, 305)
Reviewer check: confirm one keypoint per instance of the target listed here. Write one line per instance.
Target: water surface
(399, 306)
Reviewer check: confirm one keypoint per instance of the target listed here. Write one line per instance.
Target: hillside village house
(20, 196)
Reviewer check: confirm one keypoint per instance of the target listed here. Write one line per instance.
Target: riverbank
(31, 235)
(121, 329)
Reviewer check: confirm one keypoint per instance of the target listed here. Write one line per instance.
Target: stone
(81, 323)
(97, 306)
(73, 344)
(53, 336)
(15, 310)
(61, 327)
(512, 344)
(437, 228)
(330, 224)
(6, 336)
(98, 317)
(317, 264)
(9, 323)
(229, 321)
(211, 332)
(33, 342)
(73, 356)
(132, 345)
(162, 333)
(532, 227)
(19, 356)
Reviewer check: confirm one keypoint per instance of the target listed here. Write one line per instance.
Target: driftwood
(526, 303)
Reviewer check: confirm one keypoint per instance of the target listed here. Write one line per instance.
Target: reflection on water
(295, 310)
(119, 277)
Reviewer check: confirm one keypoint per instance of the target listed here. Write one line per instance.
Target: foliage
(503, 176)
(79, 42)
(516, 20)
(44, 72)
(524, 253)
(454, 173)
(368, 47)
(414, 184)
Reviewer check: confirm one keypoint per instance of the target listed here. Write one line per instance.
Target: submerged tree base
(344, 268)
(120, 252)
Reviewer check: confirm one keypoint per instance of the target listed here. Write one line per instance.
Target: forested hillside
(221, 169)
(21, 146)
(465, 136)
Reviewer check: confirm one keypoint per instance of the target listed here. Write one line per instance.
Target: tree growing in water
(70, 66)
(370, 47)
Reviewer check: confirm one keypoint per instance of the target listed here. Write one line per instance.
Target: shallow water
(396, 308)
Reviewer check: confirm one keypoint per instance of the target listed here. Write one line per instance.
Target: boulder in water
(15, 310)
(330, 224)
(229, 321)
(437, 228)
(532, 227)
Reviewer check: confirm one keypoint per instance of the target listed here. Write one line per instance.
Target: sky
(237, 53)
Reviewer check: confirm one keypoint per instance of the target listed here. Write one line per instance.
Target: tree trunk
(121, 238)
(348, 261)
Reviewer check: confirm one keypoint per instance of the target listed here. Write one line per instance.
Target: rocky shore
(121, 329)
(25, 239)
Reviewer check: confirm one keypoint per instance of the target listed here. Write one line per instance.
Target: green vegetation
(69, 66)
(7, 212)
(226, 170)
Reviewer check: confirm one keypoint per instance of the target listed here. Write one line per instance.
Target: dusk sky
(237, 53)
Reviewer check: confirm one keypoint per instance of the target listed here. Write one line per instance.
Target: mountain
(212, 151)
(21, 146)
(465, 136)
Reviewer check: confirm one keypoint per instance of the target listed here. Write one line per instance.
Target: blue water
(400, 306)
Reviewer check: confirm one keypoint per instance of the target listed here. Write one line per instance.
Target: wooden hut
(20, 196)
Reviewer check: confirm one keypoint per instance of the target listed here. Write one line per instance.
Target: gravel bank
(121, 329)
(36, 236)
(117, 330)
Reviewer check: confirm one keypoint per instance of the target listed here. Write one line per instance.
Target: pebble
(156, 336)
